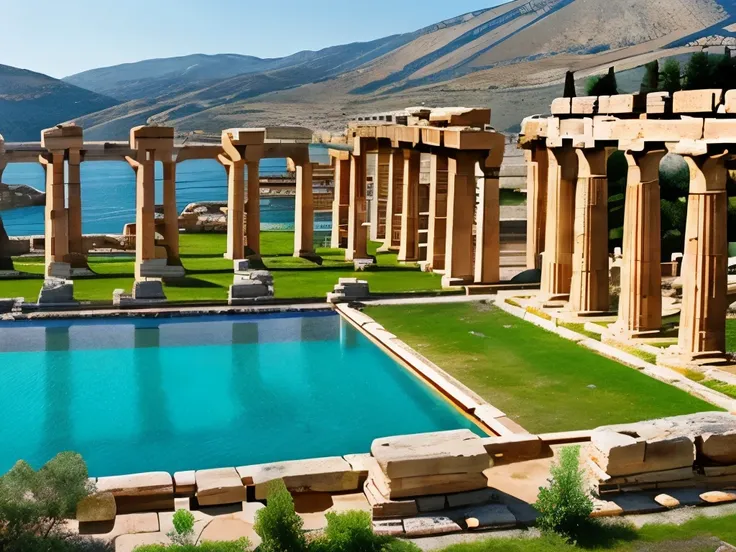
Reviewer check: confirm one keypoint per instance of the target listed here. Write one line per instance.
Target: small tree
(183, 533)
(671, 79)
(570, 91)
(698, 72)
(564, 507)
(602, 85)
(650, 82)
(278, 524)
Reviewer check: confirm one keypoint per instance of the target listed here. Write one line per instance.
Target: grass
(511, 197)
(722, 387)
(209, 275)
(580, 328)
(697, 535)
(543, 382)
(731, 335)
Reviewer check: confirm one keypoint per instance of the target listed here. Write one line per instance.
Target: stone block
(621, 104)
(361, 265)
(448, 452)
(241, 265)
(585, 105)
(669, 454)
(56, 291)
(7, 305)
(431, 503)
(153, 484)
(97, 507)
(426, 526)
(332, 474)
(472, 498)
(182, 503)
(615, 453)
(151, 289)
(185, 483)
(249, 289)
(667, 501)
(159, 268)
(219, 486)
(696, 101)
(350, 502)
(720, 448)
(489, 516)
(62, 271)
(390, 527)
(424, 485)
(718, 497)
(561, 106)
(513, 448)
(359, 463)
(383, 507)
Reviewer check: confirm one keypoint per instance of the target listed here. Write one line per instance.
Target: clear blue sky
(63, 37)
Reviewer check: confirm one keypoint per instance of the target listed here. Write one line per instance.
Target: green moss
(543, 382)
(538, 312)
(513, 303)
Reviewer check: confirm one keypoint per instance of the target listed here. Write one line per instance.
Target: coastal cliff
(14, 196)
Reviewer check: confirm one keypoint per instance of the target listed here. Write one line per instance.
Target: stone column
(394, 202)
(704, 268)
(357, 230)
(409, 245)
(171, 214)
(437, 231)
(589, 286)
(304, 217)
(640, 304)
(235, 209)
(342, 198)
(488, 227)
(253, 228)
(558, 243)
(56, 246)
(537, 162)
(461, 188)
(77, 254)
(145, 214)
(382, 192)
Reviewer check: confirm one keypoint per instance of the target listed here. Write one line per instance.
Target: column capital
(707, 172)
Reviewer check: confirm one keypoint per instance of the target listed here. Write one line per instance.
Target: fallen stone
(219, 486)
(151, 289)
(449, 452)
(332, 474)
(390, 527)
(718, 447)
(431, 503)
(718, 497)
(605, 508)
(97, 507)
(489, 516)
(384, 507)
(429, 525)
(667, 501)
(56, 291)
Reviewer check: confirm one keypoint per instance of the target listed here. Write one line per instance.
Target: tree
(698, 72)
(570, 91)
(278, 524)
(671, 80)
(650, 82)
(602, 85)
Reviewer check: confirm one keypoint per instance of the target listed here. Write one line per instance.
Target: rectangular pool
(135, 395)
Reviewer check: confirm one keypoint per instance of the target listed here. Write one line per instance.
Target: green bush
(33, 504)
(183, 532)
(565, 506)
(58, 543)
(671, 78)
(353, 532)
(241, 545)
(278, 524)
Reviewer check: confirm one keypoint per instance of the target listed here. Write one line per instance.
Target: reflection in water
(348, 335)
(154, 417)
(58, 428)
(246, 368)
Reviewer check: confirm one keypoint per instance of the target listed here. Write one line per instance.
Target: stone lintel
(585, 105)
(561, 106)
(696, 101)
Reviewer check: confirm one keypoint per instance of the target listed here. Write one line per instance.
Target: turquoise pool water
(193, 393)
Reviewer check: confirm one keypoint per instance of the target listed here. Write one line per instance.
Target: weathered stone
(56, 291)
(667, 501)
(185, 483)
(138, 484)
(449, 452)
(384, 507)
(431, 503)
(696, 101)
(349, 289)
(718, 497)
(429, 525)
(391, 527)
(350, 502)
(182, 503)
(423, 485)
(97, 507)
(152, 289)
(489, 516)
(513, 448)
(219, 486)
(359, 463)
(332, 474)
(125, 524)
(472, 498)
(718, 447)
(615, 452)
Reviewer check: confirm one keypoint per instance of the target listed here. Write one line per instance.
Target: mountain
(31, 102)
(512, 57)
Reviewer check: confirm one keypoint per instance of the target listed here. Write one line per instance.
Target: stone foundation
(57, 292)
(349, 289)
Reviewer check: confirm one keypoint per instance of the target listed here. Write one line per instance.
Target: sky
(64, 37)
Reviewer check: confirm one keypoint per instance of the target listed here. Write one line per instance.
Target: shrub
(671, 78)
(33, 504)
(183, 532)
(353, 532)
(278, 524)
(564, 507)
(604, 85)
(241, 545)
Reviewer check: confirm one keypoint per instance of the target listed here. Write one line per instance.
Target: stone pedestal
(57, 292)
(589, 285)
(536, 196)
(249, 286)
(409, 244)
(640, 305)
(558, 249)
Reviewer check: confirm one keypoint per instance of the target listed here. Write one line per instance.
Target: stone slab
(718, 447)
(431, 503)
(56, 291)
(350, 502)
(426, 526)
(138, 484)
(472, 498)
(424, 485)
(124, 524)
(389, 527)
(449, 452)
(185, 483)
(667, 501)
(513, 448)
(718, 497)
(97, 507)
(333, 474)
(182, 503)
(219, 486)
(384, 507)
(149, 289)
(489, 516)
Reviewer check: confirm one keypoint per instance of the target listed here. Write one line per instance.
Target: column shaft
(145, 217)
(395, 201)
(557, 257)
(341, 201)
(74, 209)
(382, 191)
(409, 243)
(253, 225)
(437, 231)
(171, 214)
(57, 238)
(488, 228)
(235, 210)
(589, 286)
(460, 208)
(304, 218)
(704, 267)
(640, 305)
(357, 231)
(536, 197)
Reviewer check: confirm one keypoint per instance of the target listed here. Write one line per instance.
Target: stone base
(673, 357)
(57, 292)
(615, 335)
(159, 268)
(449, 282)
(145, 293)
(59, 270)
(7, 305)
(349, 289)
(362, 264)
(249, 286)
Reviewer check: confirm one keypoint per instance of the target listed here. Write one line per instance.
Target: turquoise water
(108, 195)
(194, 393)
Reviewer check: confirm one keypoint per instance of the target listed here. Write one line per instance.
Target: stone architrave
(304, 218)
(409, 244)
(357, 232)
(702, 332)
(589, 285)
(536, 197)
(640, 305)
(558, 249)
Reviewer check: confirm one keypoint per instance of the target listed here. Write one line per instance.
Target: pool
(134, 395)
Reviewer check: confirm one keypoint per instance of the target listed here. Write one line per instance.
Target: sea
(108, 194)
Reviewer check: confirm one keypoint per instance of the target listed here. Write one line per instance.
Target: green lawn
(698, 535)
(209, 275)
(540, 380)
(511, 197)
(731, 335)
